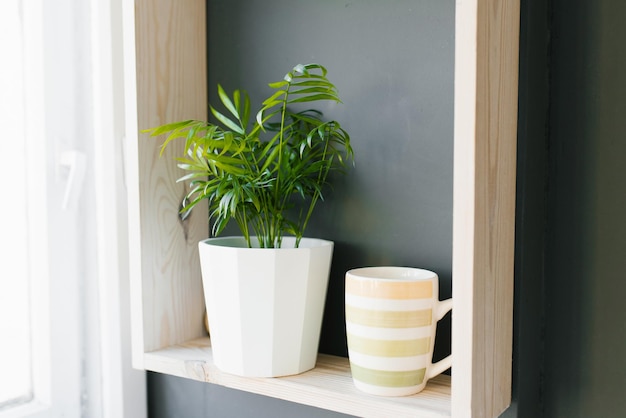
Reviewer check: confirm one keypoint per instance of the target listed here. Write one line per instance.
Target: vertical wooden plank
(486, 80)
(170, 68)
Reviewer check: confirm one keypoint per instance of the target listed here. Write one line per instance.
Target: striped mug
(391, 321)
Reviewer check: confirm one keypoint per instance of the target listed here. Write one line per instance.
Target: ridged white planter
(265, 305)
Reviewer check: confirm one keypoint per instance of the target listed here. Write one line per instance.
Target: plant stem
(321, 177)
(281, 146)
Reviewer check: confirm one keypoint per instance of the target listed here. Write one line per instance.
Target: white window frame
(124, 390)
(54, 308)
(79, 288)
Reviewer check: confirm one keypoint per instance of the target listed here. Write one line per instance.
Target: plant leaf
(313, 98)
(228, 104)
(226, 121)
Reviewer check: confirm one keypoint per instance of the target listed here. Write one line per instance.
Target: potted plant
(264, 291)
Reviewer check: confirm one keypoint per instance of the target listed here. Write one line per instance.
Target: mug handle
(443, 307)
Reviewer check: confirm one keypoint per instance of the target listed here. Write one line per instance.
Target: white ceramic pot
(265, 305)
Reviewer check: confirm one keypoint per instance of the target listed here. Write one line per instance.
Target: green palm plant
(256, 171)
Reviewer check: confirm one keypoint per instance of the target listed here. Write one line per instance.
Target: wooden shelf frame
(165, 78)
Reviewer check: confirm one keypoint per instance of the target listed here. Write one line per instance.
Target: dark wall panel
(585, 322)
(530, 223)
(393, 64)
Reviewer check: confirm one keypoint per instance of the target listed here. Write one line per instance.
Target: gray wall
(570, 316)
(530, 217)
(585, 280)
(392, 62)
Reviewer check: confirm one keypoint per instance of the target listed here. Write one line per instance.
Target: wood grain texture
(486, 79)
(170, 45)
(328, 386)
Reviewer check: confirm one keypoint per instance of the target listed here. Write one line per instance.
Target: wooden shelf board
(328, 386)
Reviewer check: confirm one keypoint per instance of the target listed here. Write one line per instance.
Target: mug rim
(398, 273)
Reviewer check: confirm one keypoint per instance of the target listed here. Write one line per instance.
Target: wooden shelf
(328, 386)
(165, 68)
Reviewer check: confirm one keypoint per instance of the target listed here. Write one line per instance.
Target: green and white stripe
(399, 379)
